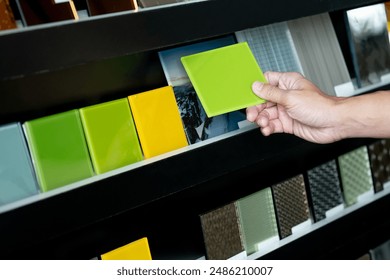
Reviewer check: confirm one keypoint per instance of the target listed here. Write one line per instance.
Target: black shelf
(216, 174)
(348, 237)
(62, 45)
(56, 67)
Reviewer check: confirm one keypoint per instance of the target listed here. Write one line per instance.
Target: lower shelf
(162, 200)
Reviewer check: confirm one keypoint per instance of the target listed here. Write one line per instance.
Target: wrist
(348, 121)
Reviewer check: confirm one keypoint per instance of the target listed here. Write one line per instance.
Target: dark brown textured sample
(99, 7)
(291, 204)
(7, 20)
(221, 232)
(379, 153)
(325, 189)
(44, 11)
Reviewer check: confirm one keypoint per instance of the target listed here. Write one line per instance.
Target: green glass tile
(17, 179)
(59, 150)
(257, 217)
(355, 173)
(111, 135)
(223, 78)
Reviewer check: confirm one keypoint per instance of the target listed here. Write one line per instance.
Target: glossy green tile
(17, 179)
(111, 135)
(223, 78)
(58, 149)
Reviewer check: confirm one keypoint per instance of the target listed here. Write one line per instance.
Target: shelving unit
(56, 67)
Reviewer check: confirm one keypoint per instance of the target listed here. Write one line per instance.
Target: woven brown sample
(291, 204)
(221, 232)
(379, 153)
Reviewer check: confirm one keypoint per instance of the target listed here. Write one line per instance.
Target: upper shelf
(62, 45)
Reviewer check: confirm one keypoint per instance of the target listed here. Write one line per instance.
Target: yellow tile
(137, 250)
(158, 121)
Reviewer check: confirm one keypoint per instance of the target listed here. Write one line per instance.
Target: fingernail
(256, 86)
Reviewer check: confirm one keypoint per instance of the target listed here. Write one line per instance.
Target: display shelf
(224, 170)
(105, 57)
(55, 67)
(61, 45)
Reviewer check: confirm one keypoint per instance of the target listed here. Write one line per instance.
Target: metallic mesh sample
(221, 232)
(379, 153)
(257, 217)
(325, 189)
(291, 204)
(355, 174)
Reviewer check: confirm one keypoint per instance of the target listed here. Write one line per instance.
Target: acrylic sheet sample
(272, 46)
(111, 135)
(369, 43)
(325, 189)
(17, 178)
(355, 172)
(258, 220)
(44, 11)
(59, 150)
(136, 250)
(197, 125)
(379, 153)
(319, 51)
(7, 19)
(291, 204)
(158, 122)
(223, 78)
(221, 232)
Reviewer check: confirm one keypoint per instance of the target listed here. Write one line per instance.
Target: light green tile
(111, 135)
(223, 78)
(257, 217)
(59, 150)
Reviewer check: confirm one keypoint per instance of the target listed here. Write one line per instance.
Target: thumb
(269, 92)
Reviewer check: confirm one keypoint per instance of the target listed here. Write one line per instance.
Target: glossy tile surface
(158, 121)
(59, 149)
(17, 178)
(136, 250)
(111, 135)
(223, 78)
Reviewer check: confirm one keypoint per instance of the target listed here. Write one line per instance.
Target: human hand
(296, 106)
